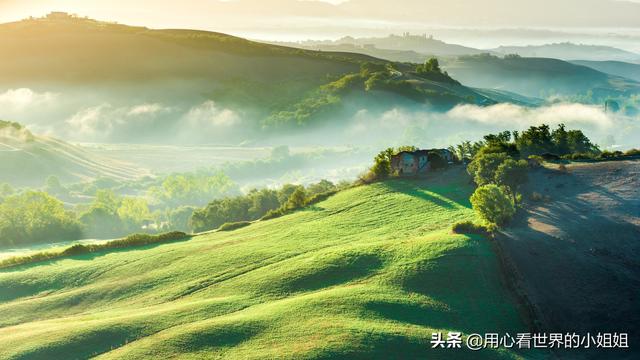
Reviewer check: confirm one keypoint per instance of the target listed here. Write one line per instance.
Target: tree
(322, 187)
(54, 187)
(285, 192)
(492, 204)
(382, 164)
(512, 174)
(35, 216)
(483, 167)
(193, 189)
(6, 190)
(298, 199)
(430, 66)
(578, 142)
(101, 223)
(536, 140)
(561, 140)
(106, 199)
(179, 218)
(262, 201)
(134, 212)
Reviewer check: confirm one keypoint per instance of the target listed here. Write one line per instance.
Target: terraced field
(369, 273)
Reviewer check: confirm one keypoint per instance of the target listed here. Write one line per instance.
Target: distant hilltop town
(61, 16)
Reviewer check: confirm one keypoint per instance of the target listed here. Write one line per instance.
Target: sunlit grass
(367, 273)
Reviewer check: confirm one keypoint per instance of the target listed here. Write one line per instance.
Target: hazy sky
(271, 19)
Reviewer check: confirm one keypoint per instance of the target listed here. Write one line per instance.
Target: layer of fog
(195, 122)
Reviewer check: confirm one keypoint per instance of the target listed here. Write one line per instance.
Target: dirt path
(576, 253)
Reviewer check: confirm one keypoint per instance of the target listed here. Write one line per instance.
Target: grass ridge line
(134, 240)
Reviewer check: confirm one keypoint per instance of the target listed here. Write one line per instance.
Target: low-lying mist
(154, 118)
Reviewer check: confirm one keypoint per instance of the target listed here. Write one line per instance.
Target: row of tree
(500, 165)
(258, 204)
(537, 140)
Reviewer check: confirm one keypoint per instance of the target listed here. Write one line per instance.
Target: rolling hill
(539, 77)
(570, 51)
(405, 47)
(617, 68)
(368, 273)
(121, 64)
(27, 160)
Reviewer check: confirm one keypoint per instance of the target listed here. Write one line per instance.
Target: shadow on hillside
(448, 196)
(577, 251)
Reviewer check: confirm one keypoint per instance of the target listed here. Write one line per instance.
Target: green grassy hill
(539, 77)
(121, 64)
(369, 273)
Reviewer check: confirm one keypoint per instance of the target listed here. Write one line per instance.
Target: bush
(79, 249)
(469, 227)
(611, 154)
(492, 204)
(234, 225)
(632, 152)
(320, 197)
(272, 214)
(579, 156)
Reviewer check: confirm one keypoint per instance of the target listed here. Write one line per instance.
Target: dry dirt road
(576, 253)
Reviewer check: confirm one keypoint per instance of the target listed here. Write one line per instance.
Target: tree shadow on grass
(448, 198)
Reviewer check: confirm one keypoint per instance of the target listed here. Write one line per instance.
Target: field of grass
(368, 273)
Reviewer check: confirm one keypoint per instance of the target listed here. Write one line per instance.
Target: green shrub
(79, 249)
(469, 227)
(76, 249)
(610, 154)
(272, 214)
(493, 204)
(320, 197)
(632, 152)
(234, 225)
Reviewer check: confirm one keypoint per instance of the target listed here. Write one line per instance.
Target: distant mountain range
(570, 51)
(540, 77)
(403, 45)
(415, 48)
(618, 68)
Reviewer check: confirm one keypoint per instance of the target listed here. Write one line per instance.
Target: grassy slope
(238, 73)
(30, 162)
(368, 273)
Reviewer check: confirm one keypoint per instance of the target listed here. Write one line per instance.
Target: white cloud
(92, 121)
(147, 109)
(514, 115)
(19, 99)
(208, 115)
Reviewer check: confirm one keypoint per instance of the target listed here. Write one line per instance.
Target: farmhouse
(411, 163)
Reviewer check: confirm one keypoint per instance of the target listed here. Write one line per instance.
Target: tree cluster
(257, 204)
